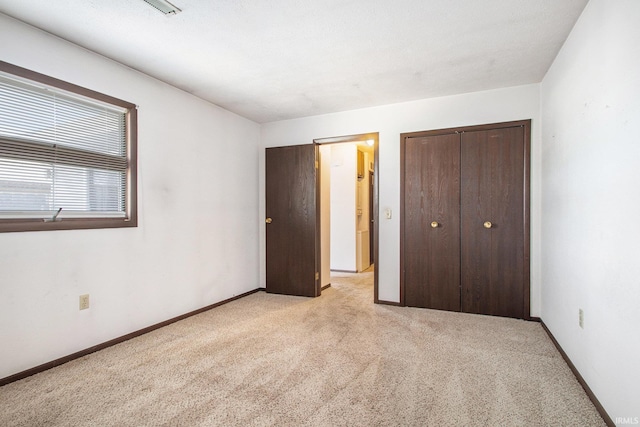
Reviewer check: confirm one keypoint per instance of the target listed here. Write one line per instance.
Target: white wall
(591, 204)
(325, 214)
(500, 105)
(362, 222)
(198, 205)
(343, 206)
(363, 259)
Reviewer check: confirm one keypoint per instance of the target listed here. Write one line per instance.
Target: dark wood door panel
(291, 207)
(475, 247)
(508, 230)
(431, 222)
(492, 258)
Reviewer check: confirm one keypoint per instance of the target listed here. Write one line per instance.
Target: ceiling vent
(164, 6)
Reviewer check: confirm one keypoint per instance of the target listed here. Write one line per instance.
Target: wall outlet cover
(84, 302)
(581, 318)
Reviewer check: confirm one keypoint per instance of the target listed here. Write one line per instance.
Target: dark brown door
(431, 222)
(492, 222)
(291, 211)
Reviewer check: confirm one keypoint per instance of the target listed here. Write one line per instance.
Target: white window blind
(59, 150)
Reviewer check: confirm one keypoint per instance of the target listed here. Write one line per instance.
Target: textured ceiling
(279, 59)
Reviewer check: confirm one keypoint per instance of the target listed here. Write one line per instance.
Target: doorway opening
(348, 189)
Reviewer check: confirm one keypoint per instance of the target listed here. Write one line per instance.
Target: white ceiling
(280, 59)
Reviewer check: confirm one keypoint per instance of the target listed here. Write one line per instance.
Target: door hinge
(317, 164)
(317, 276)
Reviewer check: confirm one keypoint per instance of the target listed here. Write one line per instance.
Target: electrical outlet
(84, 302)
(581, 318)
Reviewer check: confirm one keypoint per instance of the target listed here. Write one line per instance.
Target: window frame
(131, 197)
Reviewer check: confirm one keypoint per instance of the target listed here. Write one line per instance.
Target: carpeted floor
(337, 360)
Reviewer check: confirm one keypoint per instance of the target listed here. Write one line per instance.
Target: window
(67, 155)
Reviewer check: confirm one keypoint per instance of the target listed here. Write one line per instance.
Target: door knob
(488, 224)
(435, 224)
(268, 220)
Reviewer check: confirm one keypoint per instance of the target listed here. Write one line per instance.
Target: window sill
(19, 225)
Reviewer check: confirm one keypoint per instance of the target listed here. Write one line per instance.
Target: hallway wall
(500, 105)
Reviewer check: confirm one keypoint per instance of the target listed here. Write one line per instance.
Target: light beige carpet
(337, 360)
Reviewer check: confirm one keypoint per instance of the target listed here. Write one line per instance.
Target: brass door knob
(488, 224)
(268, 220)
(435, 224)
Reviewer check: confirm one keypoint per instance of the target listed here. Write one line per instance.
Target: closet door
(431, 222)
(493, 222)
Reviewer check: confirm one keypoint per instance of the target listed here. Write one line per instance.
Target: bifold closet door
(492, 221)
(431, 222)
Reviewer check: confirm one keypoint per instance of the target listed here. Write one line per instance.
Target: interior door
(493, 222)
(431, 222)
(292, 231)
